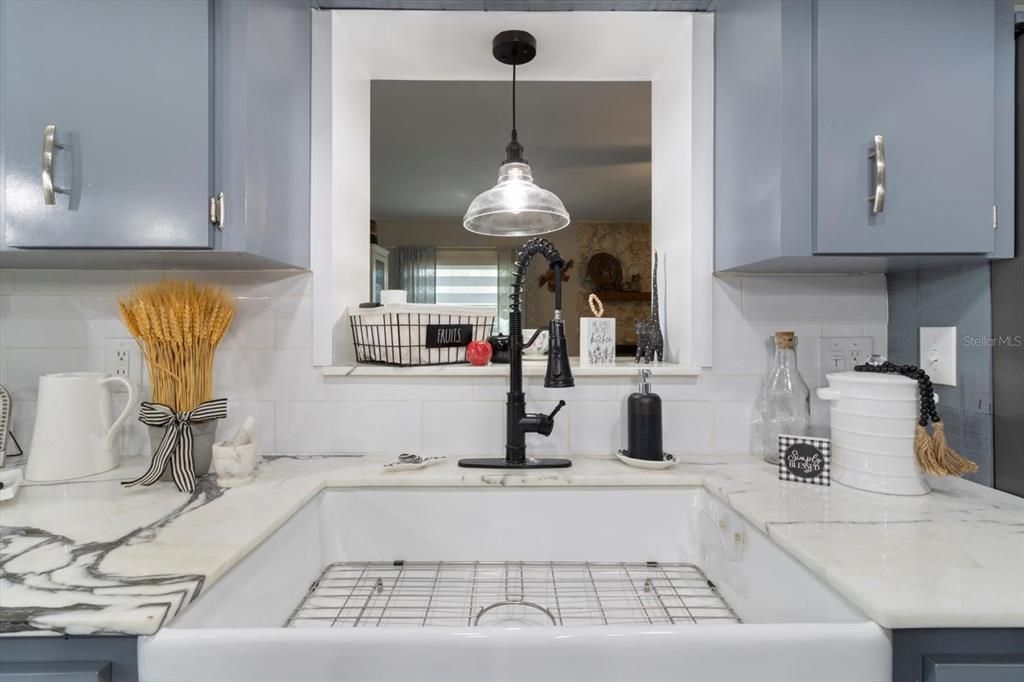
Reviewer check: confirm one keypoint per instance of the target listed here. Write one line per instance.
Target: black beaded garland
(924, 386)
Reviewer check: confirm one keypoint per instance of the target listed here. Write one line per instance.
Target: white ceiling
(437, 144)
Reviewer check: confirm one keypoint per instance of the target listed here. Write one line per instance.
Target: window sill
(532, 368)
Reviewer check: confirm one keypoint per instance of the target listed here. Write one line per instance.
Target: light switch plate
(938, 354)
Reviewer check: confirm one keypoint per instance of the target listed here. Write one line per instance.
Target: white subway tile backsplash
(687, 426)
(346, 427)
(818, 298)
(734, 387)
(272, 283)
(458, 428)
(879, 334)
(839, 330)
(294, 322)
(727, 300)
(268, 374)
(254, 325)
(59, 321)
(596, 427)
(734, 431)
(20, 368)
(393, 388)
(739, 349)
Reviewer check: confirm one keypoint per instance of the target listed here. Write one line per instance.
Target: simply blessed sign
(805, 460)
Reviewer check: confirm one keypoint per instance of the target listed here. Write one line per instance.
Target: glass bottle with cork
(787, 400)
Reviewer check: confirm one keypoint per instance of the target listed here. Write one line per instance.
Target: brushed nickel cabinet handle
(217, 212)
(877, 154)
(49, 144)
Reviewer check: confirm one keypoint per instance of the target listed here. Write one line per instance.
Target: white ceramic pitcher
(75, 427)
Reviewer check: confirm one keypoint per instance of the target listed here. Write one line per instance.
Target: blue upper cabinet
(108, 101)
(153, 108)
(862, 134)
(261, 109)
(919, 75)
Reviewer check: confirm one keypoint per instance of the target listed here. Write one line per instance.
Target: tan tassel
(924, 447)
(946, 458)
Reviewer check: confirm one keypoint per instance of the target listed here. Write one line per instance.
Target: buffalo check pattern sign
(803, 459)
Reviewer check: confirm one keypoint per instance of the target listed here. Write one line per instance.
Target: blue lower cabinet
(68, 659)
(69, 671)
(970, 668)
(958, 655)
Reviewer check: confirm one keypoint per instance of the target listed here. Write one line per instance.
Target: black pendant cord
(514, 150)
(924, 386)
(513, 99)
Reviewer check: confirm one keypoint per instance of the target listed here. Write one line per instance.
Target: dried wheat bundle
(178, 324)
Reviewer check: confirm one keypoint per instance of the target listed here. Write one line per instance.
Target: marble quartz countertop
(92, 557)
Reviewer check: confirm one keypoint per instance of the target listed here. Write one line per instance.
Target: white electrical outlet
(843, 354)
(123, 358)
(938, 354)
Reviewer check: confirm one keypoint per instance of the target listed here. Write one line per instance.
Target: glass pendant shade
(515, 207)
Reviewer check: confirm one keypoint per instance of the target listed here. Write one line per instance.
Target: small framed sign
(804, 459)
(597, 341)
(448, 335)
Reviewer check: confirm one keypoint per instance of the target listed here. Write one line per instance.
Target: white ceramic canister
(873, 419)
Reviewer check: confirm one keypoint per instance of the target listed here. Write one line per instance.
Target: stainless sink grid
(510, 593)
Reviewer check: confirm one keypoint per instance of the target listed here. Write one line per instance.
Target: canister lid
(872, 386)
(870, 378)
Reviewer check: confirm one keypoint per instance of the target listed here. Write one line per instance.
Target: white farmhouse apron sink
(518, 584)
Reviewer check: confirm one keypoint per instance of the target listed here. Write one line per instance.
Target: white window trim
(672, 50)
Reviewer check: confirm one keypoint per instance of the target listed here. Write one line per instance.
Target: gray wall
(957, 296)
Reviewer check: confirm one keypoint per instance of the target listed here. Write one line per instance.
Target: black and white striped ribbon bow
(176, 445)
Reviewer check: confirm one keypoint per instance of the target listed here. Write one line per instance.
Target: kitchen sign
(804, 459)
(449, 335)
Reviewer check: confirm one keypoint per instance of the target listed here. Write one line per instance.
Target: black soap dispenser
(643, 421)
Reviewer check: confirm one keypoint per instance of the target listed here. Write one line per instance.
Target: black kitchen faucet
(518, 422)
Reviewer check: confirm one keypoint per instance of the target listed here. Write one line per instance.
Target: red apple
(479, 353)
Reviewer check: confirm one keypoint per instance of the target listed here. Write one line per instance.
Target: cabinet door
(921, 75)
(262, 127)
(126, 87)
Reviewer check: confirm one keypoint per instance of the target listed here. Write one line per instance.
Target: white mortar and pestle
(235, 460)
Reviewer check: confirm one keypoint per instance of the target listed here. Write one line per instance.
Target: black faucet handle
(543, 424)
(560, 405)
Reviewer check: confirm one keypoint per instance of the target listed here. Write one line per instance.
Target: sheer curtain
(414, 268)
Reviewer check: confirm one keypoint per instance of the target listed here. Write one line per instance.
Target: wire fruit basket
(417, 334)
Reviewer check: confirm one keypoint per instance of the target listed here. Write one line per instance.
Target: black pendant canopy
(514, 48)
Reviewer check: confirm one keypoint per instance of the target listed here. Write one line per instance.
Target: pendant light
(515, 207)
